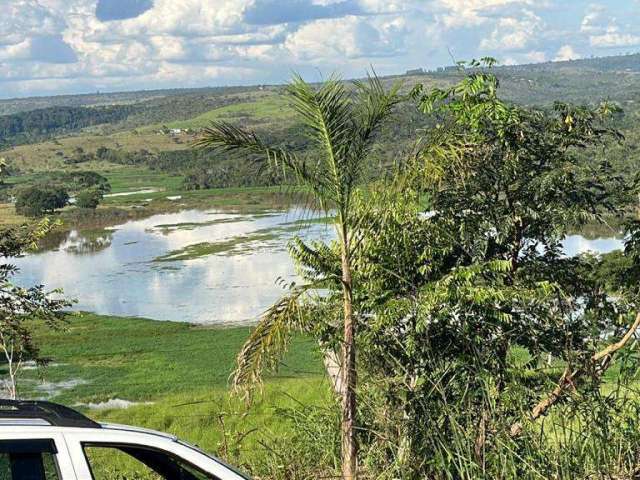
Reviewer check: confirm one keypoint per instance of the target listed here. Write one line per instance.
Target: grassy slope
(183, 370)
(50, 155)
(268, 108)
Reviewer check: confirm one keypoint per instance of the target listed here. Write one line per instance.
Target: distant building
(416, 71)
(175, 131)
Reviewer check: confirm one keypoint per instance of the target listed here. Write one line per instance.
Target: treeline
(37, 124)
(201, 170)
(44, 193)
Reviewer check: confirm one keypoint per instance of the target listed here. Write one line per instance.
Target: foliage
(38, 200)
(45, 192)
(342, 128)
(89, 198)
(468, 312)
(485, 277)
(22, 308)
(44, 122)
(78, 180)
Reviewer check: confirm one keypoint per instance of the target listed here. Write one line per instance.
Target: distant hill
(621, 64)
(17, 105)
(579, 81)
(52, 132)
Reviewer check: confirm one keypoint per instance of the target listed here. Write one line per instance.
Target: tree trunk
(349, 445)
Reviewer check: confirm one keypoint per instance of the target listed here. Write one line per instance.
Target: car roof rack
(57, 415)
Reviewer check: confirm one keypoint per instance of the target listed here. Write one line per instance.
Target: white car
(46, 441)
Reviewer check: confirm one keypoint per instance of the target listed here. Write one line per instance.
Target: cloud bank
(64, 46)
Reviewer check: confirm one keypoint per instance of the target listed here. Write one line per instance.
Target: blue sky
(77, 46)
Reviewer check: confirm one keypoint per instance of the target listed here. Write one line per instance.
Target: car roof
(39, 412)
(21, 413)
(130, 429)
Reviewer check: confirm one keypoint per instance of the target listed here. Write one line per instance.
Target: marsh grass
(176, 375)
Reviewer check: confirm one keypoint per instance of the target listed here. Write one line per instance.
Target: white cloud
(605, 31)
(511, 33)
(614, 39)
(200, 42)
(566, 52)
(17, 51)
(21, 19)
(349, 37)
(594, 20)
(466, 13)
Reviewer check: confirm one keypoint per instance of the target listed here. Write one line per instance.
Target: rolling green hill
(152, 132)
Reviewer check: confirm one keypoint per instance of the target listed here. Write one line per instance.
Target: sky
(82, 46)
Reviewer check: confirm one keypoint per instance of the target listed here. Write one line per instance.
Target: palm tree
(342, 124)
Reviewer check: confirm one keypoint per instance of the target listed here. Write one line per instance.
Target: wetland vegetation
(485, 269)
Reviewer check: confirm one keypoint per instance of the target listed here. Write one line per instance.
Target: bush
(89, 198)
(38, 200)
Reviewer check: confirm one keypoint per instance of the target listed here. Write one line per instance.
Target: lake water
(230, 276)
(207, 267)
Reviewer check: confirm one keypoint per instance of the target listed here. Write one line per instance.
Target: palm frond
(269, 341)
(327, 113)
(225, 137)
(375, 105)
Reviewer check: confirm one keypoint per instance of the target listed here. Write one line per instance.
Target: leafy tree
(23, 308)
(342, 126)
(4, 170)
(452, 293)
(38, 200)
(89, 198)
(448, 293)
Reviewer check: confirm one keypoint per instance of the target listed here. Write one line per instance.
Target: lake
(207, 267)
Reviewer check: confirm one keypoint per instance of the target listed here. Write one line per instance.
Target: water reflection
(577, 244)
(81, 243)
(113, 271)
(226, 273)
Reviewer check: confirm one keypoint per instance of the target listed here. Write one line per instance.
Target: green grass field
(178, 375)
(50, 155)
(267, 108)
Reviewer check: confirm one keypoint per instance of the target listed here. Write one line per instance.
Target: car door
(38, 456)
(109, 455)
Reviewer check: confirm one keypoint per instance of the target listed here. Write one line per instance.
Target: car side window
(128, 462)
(28, 460)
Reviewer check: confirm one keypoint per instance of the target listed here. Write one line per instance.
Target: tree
(4, 170)
(21, 309)
(342, 126)
(89, 198)
(448, 295)
(459, 264)
(38, 200)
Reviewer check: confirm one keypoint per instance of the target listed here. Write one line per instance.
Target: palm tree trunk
(349, 445)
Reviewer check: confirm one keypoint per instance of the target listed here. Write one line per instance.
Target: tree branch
(568, 379)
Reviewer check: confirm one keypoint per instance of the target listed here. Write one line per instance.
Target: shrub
(89, 198)
(38, 200)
